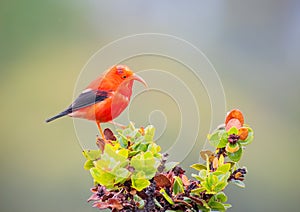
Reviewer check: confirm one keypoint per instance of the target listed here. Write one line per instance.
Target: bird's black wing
(85, 99)
(88, 98)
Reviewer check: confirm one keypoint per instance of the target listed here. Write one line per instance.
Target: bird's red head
(115, 77)
(122, 73)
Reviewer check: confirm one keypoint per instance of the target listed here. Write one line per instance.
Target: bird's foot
(118, 124)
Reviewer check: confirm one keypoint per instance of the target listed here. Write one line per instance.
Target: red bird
(105, 97)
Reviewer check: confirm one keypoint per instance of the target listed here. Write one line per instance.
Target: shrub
(131, 174)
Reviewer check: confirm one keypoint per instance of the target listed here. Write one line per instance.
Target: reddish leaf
(109, 135)
(209, 153)
(115, 203)
(183, 202)
(243, 133)
(185, 180)
(142, 131)
(133, 192)
(100, 143)
(100, 205)
(215, 163)
(162, 181)
(94, 197)
(237, 175)
(94, 189)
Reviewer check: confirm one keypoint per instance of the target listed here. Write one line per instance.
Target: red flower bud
(233, 123)
(235, 114)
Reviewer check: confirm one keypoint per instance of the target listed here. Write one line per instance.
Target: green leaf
(139, 200)
(121, 175)
(145, 162)
(126, 132)
(223, 140)
(143, 147)
(205, 205)
(224, 168)
(207, 164)
(170, 165)
(140, 139)
(198, 166)
(186, 199)
(140, 147)
(135, 146)
(139, 181)
(198, 190)
(134, 134)
(158, 156)
(149, 133)
(203, 208)
(239, 183)
(202, 175)
(227, 206)
(211, 192)
(117, 155)
(178, 186)
(166, 196)
(102, 177)
(214, 139)
(209, 183)
(249, 139)
(105, 163)
(216, 206)
(212, 180)
(88, 165)
(154, 148)
(123, 152)
(96, 173)
(220, 186)
(112, 158)
(232, 165)
(217, 173)
(221, 160)
(197, 177)
(157, 203)
(133, 153)
(236, 156)
(233, 130)
(122, 140)
(224, 177)
(221, 197)
(92, 154)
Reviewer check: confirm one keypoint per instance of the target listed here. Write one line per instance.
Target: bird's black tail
(64, 113)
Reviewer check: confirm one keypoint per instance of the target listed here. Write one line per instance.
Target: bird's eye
(124, 76)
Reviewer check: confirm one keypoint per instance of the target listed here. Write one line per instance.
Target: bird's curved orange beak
(140, 79)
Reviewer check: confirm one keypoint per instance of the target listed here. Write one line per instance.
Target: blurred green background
(253, 45)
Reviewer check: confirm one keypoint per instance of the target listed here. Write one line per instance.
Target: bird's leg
(100, 129)
(117, 124)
